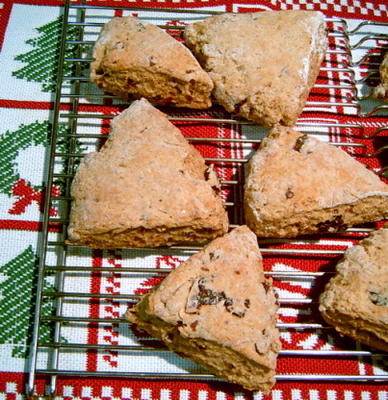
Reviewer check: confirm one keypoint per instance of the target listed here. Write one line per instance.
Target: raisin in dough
(355, 301)
(146, 187)
(131, 57)
(218, 310)
(298, 185)
(263, 64)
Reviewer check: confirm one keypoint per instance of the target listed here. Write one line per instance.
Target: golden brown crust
(355, 301)
(147, 186)
(219, 310)
(263, 64)
(299, 185)
(135, 58)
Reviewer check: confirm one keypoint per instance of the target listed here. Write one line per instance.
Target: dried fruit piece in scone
(355, 300)
(297, 185)
(146, 187)
(132, 57)
(219, 310)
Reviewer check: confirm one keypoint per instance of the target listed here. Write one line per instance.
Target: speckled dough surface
(136, 58)
(355, 301)
(298, 185)
(381, 91)
(219, 310)
(263, 64)
(147, 186)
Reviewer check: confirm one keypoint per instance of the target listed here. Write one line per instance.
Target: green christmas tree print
(42, 60)
(17, 299)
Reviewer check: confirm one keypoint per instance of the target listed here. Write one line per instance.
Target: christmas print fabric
(338, 110)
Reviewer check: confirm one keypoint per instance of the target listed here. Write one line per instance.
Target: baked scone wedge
(381, 91)
(132, 57)
(146, 187)
(297, 185)
(355, 300)
(263, 64)
(219, 310)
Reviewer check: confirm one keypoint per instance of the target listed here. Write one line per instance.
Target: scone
(381, 91)
(218, 310)
(147, 186)
(298, 185)
(131, 57)
(263, 64)
(355, 300)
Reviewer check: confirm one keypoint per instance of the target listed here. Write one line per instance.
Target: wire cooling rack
(66, 285)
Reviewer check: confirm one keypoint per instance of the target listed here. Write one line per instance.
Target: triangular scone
(355, 301)
(298, 185)
(262, 64)
(131, 57)
(147, 186)
(218, 310)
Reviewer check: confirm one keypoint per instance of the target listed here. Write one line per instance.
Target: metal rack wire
(78, 125)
